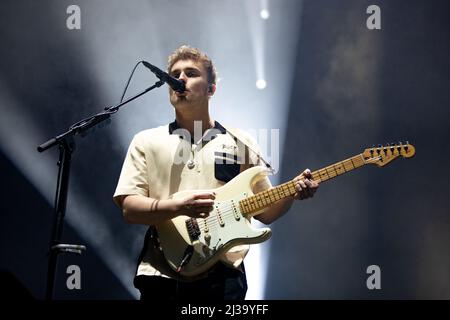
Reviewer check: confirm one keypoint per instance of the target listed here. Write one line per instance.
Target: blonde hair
(188, 53)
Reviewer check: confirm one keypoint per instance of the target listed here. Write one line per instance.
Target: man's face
(194, 75)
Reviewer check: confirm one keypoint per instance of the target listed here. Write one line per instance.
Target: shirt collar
(208, 137)
(174, 126)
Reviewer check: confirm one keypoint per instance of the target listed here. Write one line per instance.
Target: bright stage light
(264, 14)
(261, 84)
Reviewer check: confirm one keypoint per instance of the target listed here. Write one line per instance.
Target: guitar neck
(259, 201)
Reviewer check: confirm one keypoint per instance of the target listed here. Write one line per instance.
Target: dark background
(352, 87)
(396, 217)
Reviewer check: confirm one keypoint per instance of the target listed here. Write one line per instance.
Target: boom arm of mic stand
(84, 125)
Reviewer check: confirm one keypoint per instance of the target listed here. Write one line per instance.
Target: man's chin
(178, 100)
(181, 104)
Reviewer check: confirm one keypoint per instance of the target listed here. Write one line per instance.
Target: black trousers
(222, 283)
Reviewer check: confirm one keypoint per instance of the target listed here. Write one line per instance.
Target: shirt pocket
(226, 166)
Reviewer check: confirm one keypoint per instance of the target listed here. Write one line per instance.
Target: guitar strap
(244, 140)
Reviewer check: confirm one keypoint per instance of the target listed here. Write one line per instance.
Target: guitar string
(319, 174)
(217, 225)
(227, 211)
(229, 208)
(212, 223)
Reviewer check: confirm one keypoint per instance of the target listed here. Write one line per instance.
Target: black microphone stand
(66, 144)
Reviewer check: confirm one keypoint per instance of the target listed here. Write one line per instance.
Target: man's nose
(182, 76)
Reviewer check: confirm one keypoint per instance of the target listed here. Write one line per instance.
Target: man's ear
(211, 89)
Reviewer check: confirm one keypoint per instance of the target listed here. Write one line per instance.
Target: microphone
(174, 83)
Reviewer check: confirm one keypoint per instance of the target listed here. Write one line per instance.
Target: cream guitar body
(227, 226)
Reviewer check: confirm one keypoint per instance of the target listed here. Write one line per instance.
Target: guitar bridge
(193, 229)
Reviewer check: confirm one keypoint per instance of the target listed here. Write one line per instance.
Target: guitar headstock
(382, 155)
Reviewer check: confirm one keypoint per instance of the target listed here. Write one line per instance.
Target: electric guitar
(191, 246)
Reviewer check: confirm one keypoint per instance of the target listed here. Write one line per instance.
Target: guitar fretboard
(266, 198)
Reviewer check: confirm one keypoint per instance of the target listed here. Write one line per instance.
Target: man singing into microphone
(152, 172)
